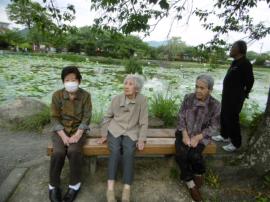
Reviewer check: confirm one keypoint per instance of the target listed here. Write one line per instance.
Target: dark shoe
(70, 195)
(195, 194)
(55, 195)
(198, 179)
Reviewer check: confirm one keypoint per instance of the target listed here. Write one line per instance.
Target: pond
(39, 77)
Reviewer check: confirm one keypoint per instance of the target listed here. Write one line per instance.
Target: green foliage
(46, 23)
(266, 180)
(250, 115)
(10, 38)
(139, 15)
(213, 62)
(212, 179)
(133, 66)
(65, 56)
(136, 21)
(25, 12)
(73, 57)
(217, 56)
(262, 198)
(97, 42)
(201, 53)
(260, 59)
(25, 45)
(97, 115)
(165, 108)
(251, 55)
(36, 122)
(176, 50)
(256, 119)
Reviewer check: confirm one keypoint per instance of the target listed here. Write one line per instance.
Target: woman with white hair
(127, 122)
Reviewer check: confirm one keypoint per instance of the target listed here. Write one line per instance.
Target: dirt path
(17, 147)
(152, 180)
(155, 178)
(152, 183)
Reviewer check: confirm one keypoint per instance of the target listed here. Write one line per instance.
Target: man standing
(237, 85)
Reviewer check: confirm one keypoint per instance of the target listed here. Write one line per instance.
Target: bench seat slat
(154, 146)
(151, 133)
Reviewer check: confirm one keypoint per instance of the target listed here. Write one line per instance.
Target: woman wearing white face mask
(71, 110)
(71, 86)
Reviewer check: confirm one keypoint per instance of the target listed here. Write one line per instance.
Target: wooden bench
(159, 142)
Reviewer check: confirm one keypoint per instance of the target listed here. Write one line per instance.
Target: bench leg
(92, 164)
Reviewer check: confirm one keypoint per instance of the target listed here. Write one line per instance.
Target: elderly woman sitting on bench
(71, 111)
(198, 120)
(127, 119)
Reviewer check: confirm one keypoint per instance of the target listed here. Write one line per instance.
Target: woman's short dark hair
(242, 46)
(71, 70)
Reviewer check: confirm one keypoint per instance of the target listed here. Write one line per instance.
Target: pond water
(39, 77)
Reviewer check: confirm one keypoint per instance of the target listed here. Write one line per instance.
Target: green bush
(165, 108)
(133, 66)
(36, 122)
(72, 57)
(261, 198)
(97, 115)
(105, 60)
(260, 60)
(249, 114)
(213, 62)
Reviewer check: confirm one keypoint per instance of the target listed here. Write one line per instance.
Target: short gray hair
(207, 79)
(138, 81)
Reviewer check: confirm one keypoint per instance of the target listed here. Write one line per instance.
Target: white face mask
(71, 86)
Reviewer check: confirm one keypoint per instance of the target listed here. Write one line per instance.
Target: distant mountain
(23, 32)
(157, 43)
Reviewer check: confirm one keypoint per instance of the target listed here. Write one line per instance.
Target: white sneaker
(219, 138)
(230, 147)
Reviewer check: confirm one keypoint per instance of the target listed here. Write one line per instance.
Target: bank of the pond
(39, 76)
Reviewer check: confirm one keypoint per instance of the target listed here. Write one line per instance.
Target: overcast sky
(192, 33)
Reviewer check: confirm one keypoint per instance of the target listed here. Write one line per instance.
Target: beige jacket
(128, 118)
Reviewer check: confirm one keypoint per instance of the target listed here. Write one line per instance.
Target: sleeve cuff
(207, 134)
(180, 129)
(142, 137)
(83, 126)
(57, 127)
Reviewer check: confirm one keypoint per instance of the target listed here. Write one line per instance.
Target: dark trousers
(125, 146)
(229, 120)
(75, 157)
(189, 160)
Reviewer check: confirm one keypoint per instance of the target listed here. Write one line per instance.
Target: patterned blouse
(199, 117)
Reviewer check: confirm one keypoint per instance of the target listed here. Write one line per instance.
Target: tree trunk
(258, 153)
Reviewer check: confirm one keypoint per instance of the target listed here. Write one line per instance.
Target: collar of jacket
(199, 103)
(78, 94)
(123, 99)
(239, 59)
